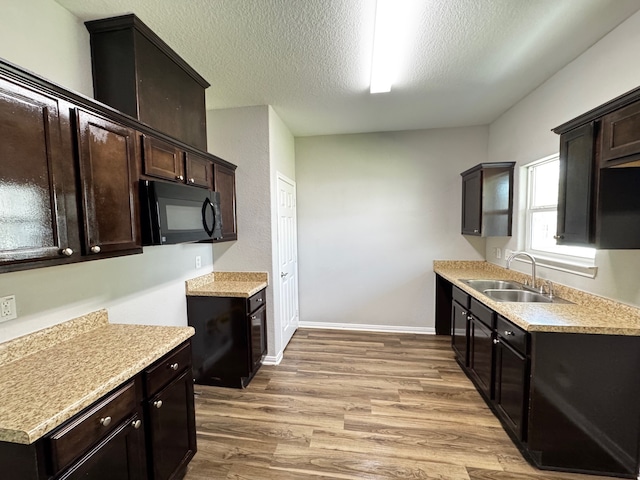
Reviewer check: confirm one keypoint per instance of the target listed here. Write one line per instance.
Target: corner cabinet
(487, 200)
(230, 341)
(224, 182)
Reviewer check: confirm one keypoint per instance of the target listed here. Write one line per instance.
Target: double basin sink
(510, 291)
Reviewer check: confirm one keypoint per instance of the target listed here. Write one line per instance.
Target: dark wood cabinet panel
(108, 179)
(577, 187)
(224, 182)
(460, 332)
(481, 355)
(36, 178)
(199, 170)
(511, 387)
(487, 200)
(137, 73)
(162, 159)
(230, 341)
(121, 455)
(172, 428)
(621, 136)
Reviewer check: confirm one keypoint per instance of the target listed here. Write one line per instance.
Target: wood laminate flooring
(356, 405)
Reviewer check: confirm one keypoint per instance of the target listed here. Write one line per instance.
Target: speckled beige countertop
(227, 284)
(587, 314)
(50, 375)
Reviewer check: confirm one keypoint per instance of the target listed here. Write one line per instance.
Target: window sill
(582, 270)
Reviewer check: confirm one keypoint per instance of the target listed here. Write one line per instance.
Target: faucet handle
(549, 286)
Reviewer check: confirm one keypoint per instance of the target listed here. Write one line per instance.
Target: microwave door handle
(205, 204)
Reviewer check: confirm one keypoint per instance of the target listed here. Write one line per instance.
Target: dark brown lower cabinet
(511, 387)
(460, 332)
(121, 455)
(172, 428)
(481, 354)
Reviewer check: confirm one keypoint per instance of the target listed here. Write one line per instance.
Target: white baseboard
(272, 360)
(369, 328)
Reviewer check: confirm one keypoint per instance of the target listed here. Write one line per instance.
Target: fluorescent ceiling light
(391, 17)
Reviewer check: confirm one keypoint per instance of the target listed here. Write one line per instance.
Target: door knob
(283, 274)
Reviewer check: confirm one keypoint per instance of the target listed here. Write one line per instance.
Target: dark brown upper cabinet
(165, 160)
(137, 73)
(577, 187)
(36, 176)
(108, 180)
(487, 199)
(224, 179)
(598, 200)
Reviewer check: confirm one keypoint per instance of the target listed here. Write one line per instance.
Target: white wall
(374, 211)
(149, 288)
(43, 37)
(523, 134)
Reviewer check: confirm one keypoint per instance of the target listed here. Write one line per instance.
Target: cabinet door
(472, 203)
(163, 160)
(511, 387)
(257, 322)
(172, 427)
(621, 136)
(481, 354)
(224, 179)
(199, 171)
(460, 332)
(33, 222)
(109, 185)
(121, 455)
(577, 186)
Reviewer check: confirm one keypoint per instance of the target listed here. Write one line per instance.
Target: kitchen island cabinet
(65, 422)
(564, 376)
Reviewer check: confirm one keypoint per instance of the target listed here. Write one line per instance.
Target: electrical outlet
(8, 308)
(198, 261)
(498, 252)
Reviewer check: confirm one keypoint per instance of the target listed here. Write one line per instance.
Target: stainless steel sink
(517, 296)
(482, 284)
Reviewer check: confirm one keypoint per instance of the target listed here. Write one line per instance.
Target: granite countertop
(50, 375)
(227, 284)
(587, 314)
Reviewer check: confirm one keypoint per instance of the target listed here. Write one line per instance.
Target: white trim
(369, 328)
(271, 360)
(562, 266)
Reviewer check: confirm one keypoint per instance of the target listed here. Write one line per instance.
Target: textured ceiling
(465, 62)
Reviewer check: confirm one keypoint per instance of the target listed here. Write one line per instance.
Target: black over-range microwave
(173, 213)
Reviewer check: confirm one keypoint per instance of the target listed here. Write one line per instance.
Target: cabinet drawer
(460, 296)
(256, 301)
(484, 314)
(76, 437)
(513, 335)
(167, 368)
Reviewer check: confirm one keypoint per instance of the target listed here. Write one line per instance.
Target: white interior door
(287, 258)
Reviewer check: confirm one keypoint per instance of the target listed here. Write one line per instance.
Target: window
(542, 212)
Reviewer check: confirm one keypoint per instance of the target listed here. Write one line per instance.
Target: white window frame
(570, 261)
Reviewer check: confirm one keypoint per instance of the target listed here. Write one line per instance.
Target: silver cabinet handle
(180, 177)
(463, 313)
(136, 424)
(174, 366)
(253, 317)
(558, 237)
(157, 403)
(95, 249)
(508, 333)
(105, 421)
(475, 230)
(496, 341)
(192, 180)
(67, 251)
(260, 300)
(469, 317)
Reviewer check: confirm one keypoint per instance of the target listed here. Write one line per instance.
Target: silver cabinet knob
(463, 313)
(260, 300)
(105, 421)
(95, 249)
(475, 230)
(469, 317)
(508, 332)
(558, 237)
(157, 403)
(174, 366)
(192, 180)
(136, 424)
(180, 178)
(67, 251)
(253, 317)
(496, 341)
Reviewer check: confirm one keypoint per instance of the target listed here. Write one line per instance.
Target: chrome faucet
(533, 265)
